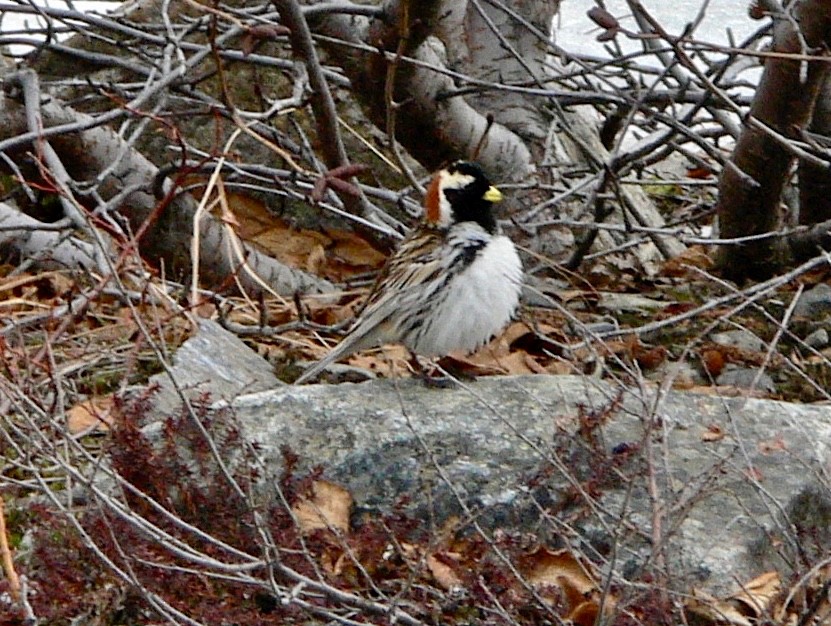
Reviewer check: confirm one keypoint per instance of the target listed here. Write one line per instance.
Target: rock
(817, 339)
(814, 303)
(682, 374)
(745, 377)
(216, 362)
(543, 292)
(591, 329)
(341, 373)
(743, 339)
(568, 459)
(630, 302)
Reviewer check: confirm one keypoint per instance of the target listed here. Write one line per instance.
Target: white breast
(478, 302)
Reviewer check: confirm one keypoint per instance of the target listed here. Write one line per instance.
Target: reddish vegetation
(67, 579)
(451, 575)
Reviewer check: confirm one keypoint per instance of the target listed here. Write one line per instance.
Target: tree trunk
(749, 199)
(433, 128)
(441, 117)
(814, 179)
(452, 64)
(168, 239)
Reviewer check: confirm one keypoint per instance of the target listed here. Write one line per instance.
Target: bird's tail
(361, 338)
(336, 353)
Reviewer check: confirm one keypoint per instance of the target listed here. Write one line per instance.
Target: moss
(146, 366)
(665, 190)
(810, 386)
(17, 523)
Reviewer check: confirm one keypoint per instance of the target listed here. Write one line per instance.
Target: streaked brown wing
(416, 261)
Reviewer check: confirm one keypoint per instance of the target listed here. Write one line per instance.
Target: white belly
(480, 301)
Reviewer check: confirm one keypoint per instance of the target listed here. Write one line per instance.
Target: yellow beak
(493, 194)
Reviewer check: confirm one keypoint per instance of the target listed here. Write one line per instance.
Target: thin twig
(6, 554)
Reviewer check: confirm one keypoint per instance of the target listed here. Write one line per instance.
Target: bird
(452, 283)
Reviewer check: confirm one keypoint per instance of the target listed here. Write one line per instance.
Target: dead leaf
(568, 295)
(743, 608)
(716, 611)
(252, 215)
(516, 330)
(93, 415)
(315, 260)
(771, 446)
(390, 361)
(442, 572)
(288, 245)
(330, 315)
(328, 507)
(205, 309)
(119, 328)
(42, 287)
(812, 592)
(560, 368)
(756, 597)
(478, 364)
(353, 250)
(714, 432)
(700, 173)
(345, 253)
(683, 264)
(500, 356)
(584, 614)
(334, 562)
(650, 358)
(177, 330)
(714, 361)
(272, 354)
(518, 363)
(560, 569)
(675, 308)
(229, 217)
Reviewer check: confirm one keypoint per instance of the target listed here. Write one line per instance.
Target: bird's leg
(429, 374)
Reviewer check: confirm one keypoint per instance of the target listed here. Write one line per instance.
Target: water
(12, 21)
(575, 32)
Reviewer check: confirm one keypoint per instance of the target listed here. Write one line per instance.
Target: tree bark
(453, 64)
(92, 151)
(814, 179)
(434, 129)
(443, 117)
(487, 43)
(750, 205)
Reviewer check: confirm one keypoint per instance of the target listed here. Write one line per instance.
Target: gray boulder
(710, 491)
(633, 478)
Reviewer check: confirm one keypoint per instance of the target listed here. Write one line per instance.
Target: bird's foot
(431, 374)
(437, 380)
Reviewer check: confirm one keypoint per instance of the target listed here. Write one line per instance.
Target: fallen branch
(165, 224)
(51, 249)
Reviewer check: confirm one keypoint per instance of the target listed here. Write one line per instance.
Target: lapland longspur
(451, 285)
